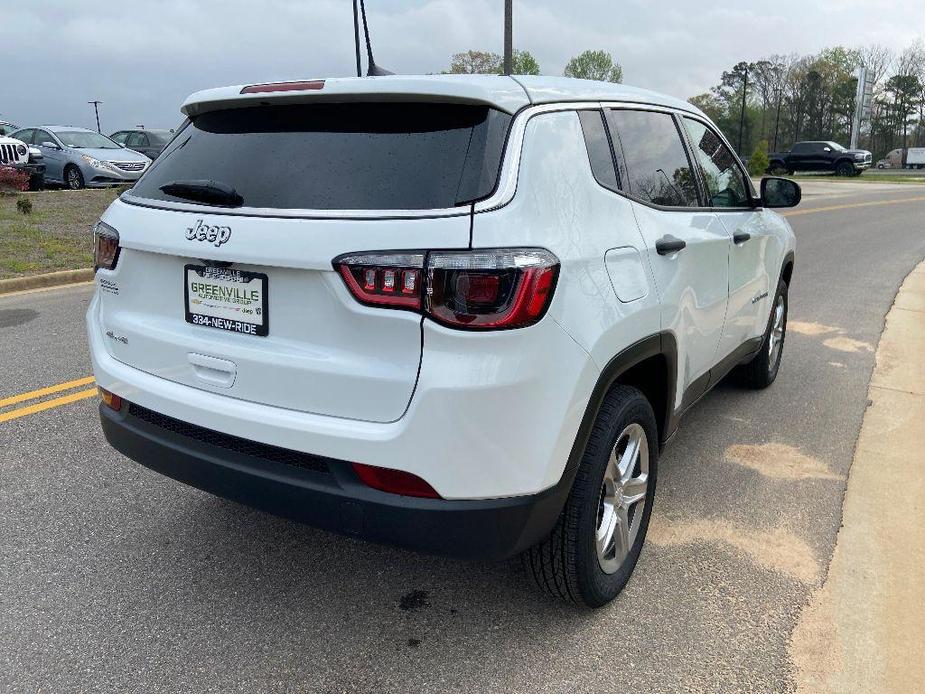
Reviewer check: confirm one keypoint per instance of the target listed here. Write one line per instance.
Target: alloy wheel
(623, 497)
(776, 336)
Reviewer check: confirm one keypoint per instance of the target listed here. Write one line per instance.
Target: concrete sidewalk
(863, 630)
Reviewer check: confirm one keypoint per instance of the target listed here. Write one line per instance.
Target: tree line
(589, 65)
(789, 98)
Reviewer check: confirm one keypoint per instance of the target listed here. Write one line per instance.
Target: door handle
(741, 237)
(669, 244)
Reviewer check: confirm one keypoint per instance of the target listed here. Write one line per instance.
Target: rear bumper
(325, 493)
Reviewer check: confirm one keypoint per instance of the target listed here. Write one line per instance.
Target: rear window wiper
(204, 190)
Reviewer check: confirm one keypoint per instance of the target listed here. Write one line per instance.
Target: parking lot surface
(113, 578)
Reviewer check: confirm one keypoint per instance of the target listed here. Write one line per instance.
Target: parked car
(906, 158)
(147, 142)
(7, 128)
(820, 156)
(492, 300)
(77, 157)
(883, 164)
(16, 154)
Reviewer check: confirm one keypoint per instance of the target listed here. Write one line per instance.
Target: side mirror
(50, 145)
(826, 149)
(780, 192)
(35, 153)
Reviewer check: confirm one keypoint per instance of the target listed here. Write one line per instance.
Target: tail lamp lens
(481, 290)
(394, 481)
(384, 279)
(105, 246)
(504, 288)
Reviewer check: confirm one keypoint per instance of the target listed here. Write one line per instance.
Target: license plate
(227, 299)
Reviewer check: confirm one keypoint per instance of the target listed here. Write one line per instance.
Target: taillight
(503, 288)
(306, 85)
(105, 246)
(384, 279)
(394, 481)
(481, 290)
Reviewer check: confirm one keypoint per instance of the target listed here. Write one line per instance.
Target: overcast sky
(142, 58)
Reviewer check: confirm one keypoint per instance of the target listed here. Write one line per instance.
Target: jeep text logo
(203, 232)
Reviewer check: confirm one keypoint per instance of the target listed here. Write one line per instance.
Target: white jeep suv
(460, 314)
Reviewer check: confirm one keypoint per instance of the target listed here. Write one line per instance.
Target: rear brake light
(105, 246)
(394, 481)
(504, 288)
(481, 290)
(283, 87)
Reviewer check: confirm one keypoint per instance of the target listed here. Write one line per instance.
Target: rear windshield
(358, 156)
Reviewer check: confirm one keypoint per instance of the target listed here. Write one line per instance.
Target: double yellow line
(18, 412)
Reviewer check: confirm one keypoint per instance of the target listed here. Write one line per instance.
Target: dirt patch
(776, 549)
(847, 344)
(779, 461)
(812, 329)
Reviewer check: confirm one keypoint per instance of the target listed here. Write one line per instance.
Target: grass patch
(56, 236)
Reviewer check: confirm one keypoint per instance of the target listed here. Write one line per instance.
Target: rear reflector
(394, 481)
(111, 400)
(283, 87)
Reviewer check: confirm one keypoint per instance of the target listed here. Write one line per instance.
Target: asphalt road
(113, 578)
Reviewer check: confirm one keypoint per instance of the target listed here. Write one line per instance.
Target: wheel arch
(651, 365)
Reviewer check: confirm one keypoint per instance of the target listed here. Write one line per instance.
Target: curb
(855, 632)
(50, 279)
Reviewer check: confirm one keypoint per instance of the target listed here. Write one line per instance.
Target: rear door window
(356, 156)
(657, 167)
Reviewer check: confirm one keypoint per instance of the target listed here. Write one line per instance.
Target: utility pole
(96, 109)
(777, 121)
(742, 117)
(508, 36)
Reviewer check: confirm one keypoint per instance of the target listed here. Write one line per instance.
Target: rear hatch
(225, 283)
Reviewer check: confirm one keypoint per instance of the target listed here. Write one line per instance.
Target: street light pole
(777, 120)
(742, 117)
(96, 109)
(508, 36)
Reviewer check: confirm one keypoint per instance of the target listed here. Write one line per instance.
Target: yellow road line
(48, 404)
(850, 205)
(42, 392)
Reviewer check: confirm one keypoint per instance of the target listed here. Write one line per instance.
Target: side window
(725, 180)
(599, 152)
(800, 148)
(25, 135)
(41, 137)
(135, 140)
(657, 167)
(118, 137)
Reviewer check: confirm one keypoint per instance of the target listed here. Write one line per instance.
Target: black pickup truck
(820, 156)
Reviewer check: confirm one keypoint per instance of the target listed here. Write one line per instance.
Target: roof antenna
(356, 37)
(373, 70)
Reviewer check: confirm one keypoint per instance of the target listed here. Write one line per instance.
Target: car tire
(762, 370)
(845, 168)
(613, 490)
(777, 169)
(73, 178)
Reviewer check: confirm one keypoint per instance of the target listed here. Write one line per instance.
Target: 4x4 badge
(213, 234)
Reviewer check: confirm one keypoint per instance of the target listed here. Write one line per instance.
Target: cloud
(143, 58)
